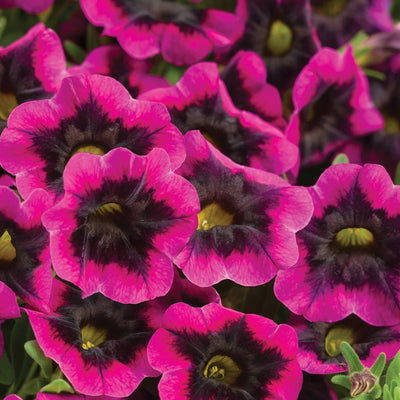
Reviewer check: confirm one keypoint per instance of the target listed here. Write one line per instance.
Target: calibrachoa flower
(182, 33)
(9, 309)
(338, 21)
(280, 31)
(200, 101)
(25, 264)
(112, 61)
(245, 79)
(121, 221)
(217, 353)
(34, 7)
(32, 68)
(319, 343)
(90, 113)
(349, 254)
(332, 105)
(99, 344)
(247, 222)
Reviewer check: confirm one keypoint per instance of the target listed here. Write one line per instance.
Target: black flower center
(212, 215)
(92, 336)
(335, 336)
(7, 250)
(280, 39)
(354, 237)
(223, 369)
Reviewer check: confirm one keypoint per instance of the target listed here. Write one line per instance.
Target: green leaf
(340, 159)
(58, 386)
(397, 176)
(372, 73)
(393, 373)
(34, 350)
(342, 380)
(6, 371)
(396, 393)
(379, 365)
(386, 393)
(76, 52)
(351, 357)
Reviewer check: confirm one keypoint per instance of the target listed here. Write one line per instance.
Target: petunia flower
(99, 344)
(337, 22)
(32, 68)
(200, 101)
(332, 106)
(112, 61)
(181, 32)
(247, 222)
(90, 113)
(9, 309)
(281, 33)
(349, 255)
(214, 352)
(34, 7)
(25, 264)
(319, 343)
(245, 78)
(122, 220)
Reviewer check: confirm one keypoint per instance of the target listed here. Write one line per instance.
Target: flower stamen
(352, 237)
(335, 337)
(222, 368)
(7, 250)
(92, 336)
(213, 215)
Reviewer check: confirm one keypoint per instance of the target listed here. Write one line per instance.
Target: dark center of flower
(354, 237)
(7, 103)
(330, 8)
(212, 215)
(90, 148)
(210, 139)
(7, 250)
(223, 369)
(92, 336)
(279, 39)
(336, 335)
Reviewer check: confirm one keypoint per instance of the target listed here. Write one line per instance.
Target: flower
(332, 105)
(90, 113)
(337, 21)
(145, 28)
(280, 32)
(200, 100)
(25, 264)
(32, 68)
(349, 255)
(99, 344)
(247, 222)
(215, 352)
(319, 343)
(34, 7)
(122, 220)
(112, 61)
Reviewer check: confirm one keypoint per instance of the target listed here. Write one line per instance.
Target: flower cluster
(198, 201)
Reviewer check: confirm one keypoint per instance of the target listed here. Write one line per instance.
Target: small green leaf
(396, 393)
(342, 380)
(393, 373)
(374, 74)
(58, 386)
(386, 393)
(351, 357)
(397, 176)
(3, 24)
(340, 159)
(6, 371)
(76, 52)
(379, 365)
(34, 350)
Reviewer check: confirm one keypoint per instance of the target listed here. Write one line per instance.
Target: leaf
(58, 386)
(6, 371)
(33, 349)
(340, 159)
(379, 365)
(386, 393)
(397, 176)
(342, 380)
(76, 52)
(393, 373)
(351, 357)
